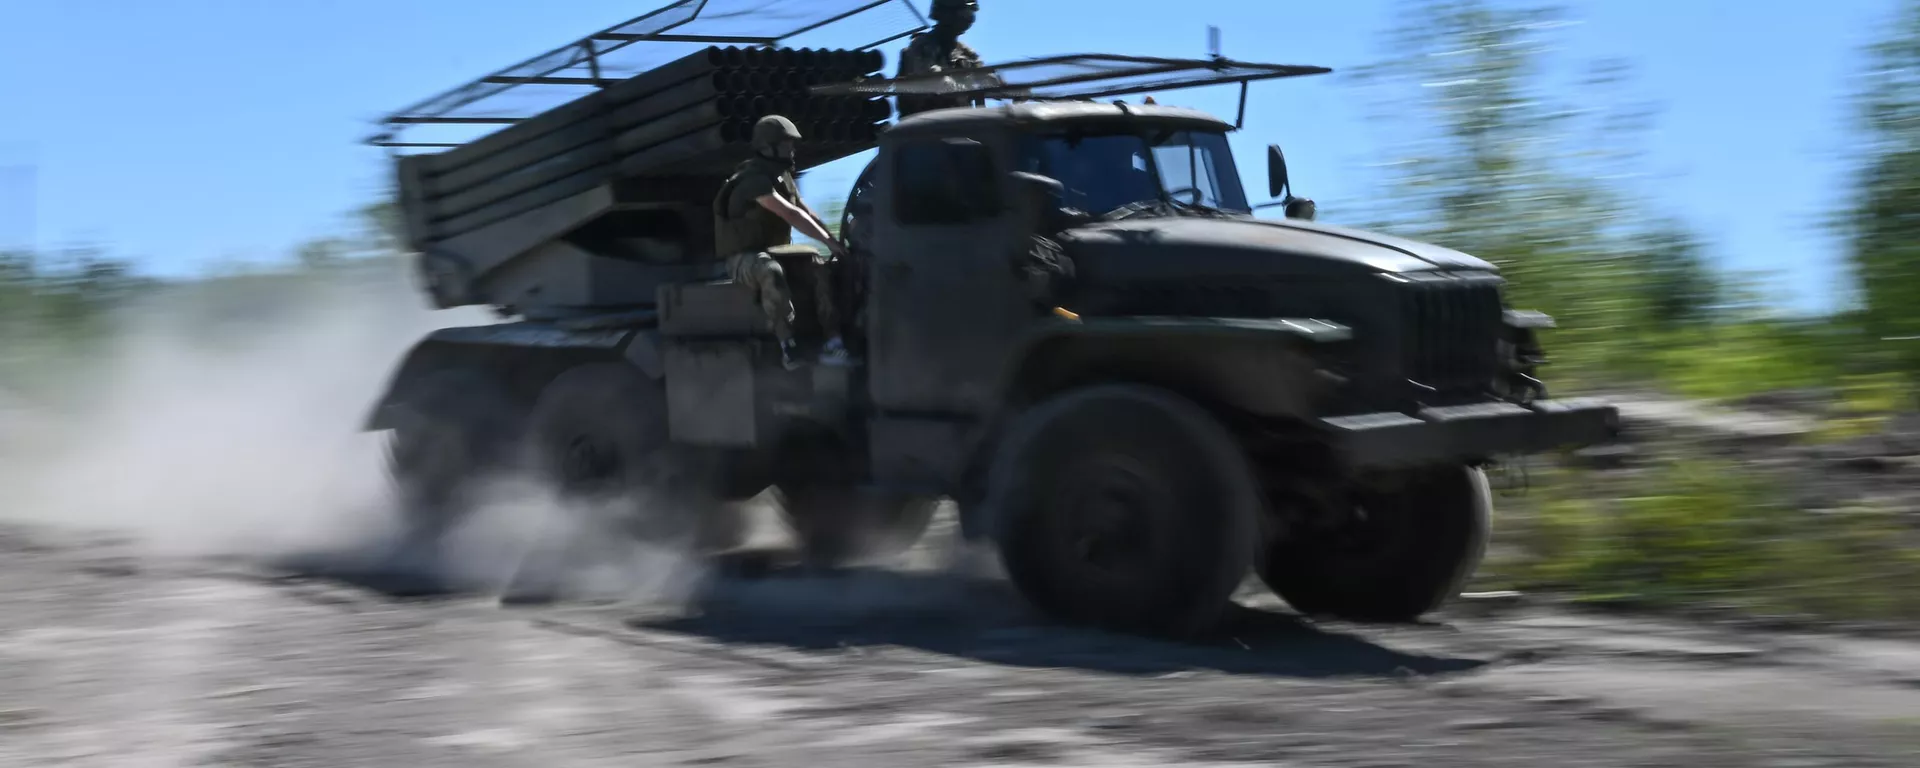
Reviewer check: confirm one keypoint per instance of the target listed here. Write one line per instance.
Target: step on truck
(1067, 320)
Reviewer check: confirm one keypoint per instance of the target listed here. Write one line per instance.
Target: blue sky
(189, 132)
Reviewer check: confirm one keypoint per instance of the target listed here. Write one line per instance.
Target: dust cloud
(214, 421)
(223, 420)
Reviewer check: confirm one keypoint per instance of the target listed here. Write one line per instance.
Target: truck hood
(1174, 247)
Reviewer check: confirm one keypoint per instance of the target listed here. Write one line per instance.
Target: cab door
(945, 302)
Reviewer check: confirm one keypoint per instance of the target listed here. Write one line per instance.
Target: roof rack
(1077, 77)
(609, 55)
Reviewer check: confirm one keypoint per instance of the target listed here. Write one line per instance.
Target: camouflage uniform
(744, 231)
(923, 56)
(1044, 270)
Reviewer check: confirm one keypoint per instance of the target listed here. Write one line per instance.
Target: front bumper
(1471, 432)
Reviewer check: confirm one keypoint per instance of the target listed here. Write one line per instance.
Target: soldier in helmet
(758, 208)
(940, 50)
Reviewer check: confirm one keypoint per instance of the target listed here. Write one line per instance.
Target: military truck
(1069, 322)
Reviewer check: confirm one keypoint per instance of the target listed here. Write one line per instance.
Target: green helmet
(773, 129)
(943, 7)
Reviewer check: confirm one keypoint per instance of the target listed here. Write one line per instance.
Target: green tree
(1882, 221)
(1674, 279)
(319, 254)
(1490, 162)
(58, 304)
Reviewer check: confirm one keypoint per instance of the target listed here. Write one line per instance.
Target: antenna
(1213, 50)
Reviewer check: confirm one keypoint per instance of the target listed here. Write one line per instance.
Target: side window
(944, 182)
(1186, 172)
(1097, 173)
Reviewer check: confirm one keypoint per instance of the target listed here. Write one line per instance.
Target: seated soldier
(940, 50)
(757, 209)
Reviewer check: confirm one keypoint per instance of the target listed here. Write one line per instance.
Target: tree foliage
(1489, 160)
(1882, 221)
(57, 307)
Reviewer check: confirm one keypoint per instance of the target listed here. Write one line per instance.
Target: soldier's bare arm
(817, 218)
(798, 219)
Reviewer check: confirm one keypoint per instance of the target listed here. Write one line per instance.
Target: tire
(1414, 551)
(840, 526)
(1140, 462)
(836, 522)
(454, 428)
(598, 438)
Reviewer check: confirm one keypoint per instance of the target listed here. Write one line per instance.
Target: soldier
(1039, 262)
(940, 50)
(757, 209)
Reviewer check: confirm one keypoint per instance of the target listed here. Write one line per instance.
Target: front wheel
(1124, 507)
(1409, 545)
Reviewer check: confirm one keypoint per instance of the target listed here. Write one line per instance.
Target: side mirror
(1276, 171)
(1301, 208)
(1037, 192)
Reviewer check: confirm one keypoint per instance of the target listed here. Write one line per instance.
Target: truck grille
(1451, 330)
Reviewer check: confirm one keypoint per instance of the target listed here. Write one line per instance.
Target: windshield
(1103, 172)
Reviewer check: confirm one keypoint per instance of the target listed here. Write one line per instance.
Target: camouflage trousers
(763, 274)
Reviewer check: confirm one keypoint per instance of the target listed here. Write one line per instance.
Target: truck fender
(524, 355)
(1261, 366)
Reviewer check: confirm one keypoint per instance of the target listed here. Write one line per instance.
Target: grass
(1866, 403)
(1734, 361)
(1705, 534)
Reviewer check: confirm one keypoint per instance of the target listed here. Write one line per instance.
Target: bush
(1703, 533)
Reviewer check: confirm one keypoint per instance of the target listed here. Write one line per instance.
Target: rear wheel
(1124, 507)
(843, 525)
(599, 439)
(835, 521)
(1406, 550)
(453, 429)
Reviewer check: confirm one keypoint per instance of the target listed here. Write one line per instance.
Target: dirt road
(113, 660)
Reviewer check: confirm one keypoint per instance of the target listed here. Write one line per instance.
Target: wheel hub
(1108, 509)
(587, 465)
(1360, 532)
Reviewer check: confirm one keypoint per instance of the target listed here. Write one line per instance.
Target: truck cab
(954, 207)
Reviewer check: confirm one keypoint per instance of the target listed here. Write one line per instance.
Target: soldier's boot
(789, 354)
(834, 352)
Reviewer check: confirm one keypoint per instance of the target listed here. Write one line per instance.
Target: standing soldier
(758, 209)
(940, 50)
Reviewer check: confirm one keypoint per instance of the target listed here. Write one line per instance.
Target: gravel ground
(113, 659)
